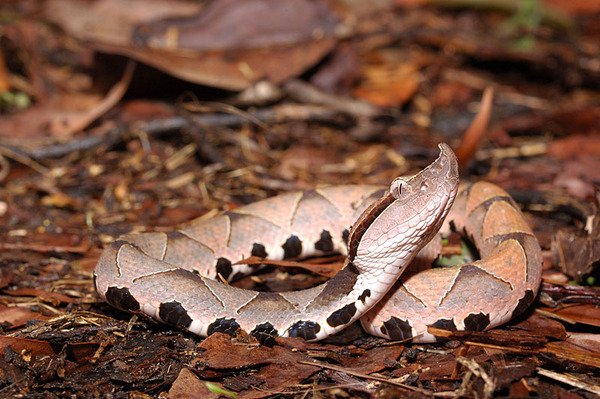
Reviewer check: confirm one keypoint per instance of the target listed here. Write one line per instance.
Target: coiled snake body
(170, 276)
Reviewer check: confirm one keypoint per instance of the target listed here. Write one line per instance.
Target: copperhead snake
(171, 276)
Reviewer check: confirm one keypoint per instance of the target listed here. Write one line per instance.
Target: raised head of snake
(407, 217)
(156, 273)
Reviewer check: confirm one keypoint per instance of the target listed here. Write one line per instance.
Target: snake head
(406, 218)
(428, 195)
(440, 175)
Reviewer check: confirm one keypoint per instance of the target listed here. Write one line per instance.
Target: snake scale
(172, 276)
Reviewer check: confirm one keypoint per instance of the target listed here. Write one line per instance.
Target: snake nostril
(424, 186)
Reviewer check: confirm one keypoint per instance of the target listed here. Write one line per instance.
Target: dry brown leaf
(576, 145)
(576, 6)
(18, 316)
(32, 346)
(81, 352)
(537, 323)
(113, 21)
(375, 360)
(279, 367)
(49, 242)
(53, 297)
(578, 251)
(388, 85)
(60, 117)
(586, 341)
(584, 314)
(227, 44)
(35, 122)
(188, 386)
(299, 160)
(6, 277)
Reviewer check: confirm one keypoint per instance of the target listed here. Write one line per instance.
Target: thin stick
(367, 376)
(569, 380)
(23, 159)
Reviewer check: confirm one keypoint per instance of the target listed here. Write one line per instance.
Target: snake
(181, 277)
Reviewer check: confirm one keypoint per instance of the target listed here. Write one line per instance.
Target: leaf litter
(353, 94)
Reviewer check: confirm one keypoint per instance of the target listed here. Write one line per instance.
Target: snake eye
(398, 187)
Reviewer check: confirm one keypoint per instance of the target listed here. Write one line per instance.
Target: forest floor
(117, 119)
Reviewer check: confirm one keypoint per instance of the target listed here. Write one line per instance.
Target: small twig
(43, 248)
(297, 389)
(103, 345)
(570, 380)
(306, 93)
(47, 307)
(489, 386)
(115, 133)
(21, 158)
(131, 323)
(367, 376)
(226, 108)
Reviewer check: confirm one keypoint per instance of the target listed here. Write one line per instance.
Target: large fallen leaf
(227, 44)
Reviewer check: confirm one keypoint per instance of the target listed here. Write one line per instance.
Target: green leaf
(466, 255)
(217, 389)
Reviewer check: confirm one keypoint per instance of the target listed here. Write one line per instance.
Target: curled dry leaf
(476, 131)
(60, 117)
(227, 44)
(578, 252)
